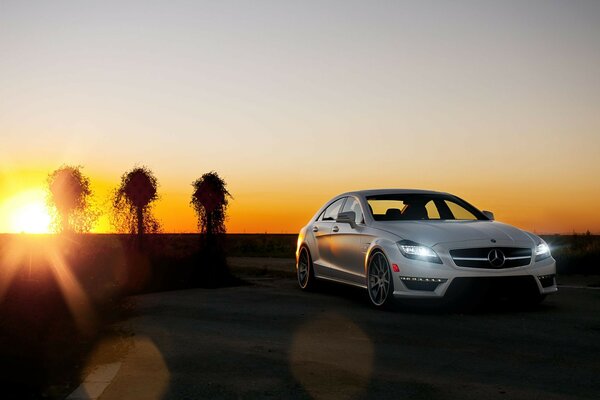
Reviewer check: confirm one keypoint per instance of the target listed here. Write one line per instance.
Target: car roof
(377, 192)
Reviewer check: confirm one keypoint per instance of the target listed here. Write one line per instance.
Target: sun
(27, 212)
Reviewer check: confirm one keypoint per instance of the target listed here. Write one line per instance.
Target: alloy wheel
(379, 280)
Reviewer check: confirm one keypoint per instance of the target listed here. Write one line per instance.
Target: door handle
(315, 229)
(335, 229)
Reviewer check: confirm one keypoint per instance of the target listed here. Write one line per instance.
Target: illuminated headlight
(416, 251)
(542, 251)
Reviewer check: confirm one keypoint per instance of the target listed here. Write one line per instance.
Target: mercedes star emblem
(496, 258)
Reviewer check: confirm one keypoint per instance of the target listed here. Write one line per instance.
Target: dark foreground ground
(270, 340)
(62, 299)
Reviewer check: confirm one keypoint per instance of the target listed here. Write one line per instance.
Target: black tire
(380, 285)
(305, 272)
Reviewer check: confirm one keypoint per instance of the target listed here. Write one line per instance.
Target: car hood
(431, 233)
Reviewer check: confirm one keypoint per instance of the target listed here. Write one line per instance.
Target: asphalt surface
(271, 340)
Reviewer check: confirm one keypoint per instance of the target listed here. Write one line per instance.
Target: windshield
(413, 207)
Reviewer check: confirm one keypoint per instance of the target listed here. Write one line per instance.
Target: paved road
(270, 340)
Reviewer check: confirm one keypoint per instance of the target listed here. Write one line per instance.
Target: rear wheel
(379, 281)
(304, 269)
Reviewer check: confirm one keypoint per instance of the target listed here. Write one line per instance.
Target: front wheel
(304, 270)
(379, 281)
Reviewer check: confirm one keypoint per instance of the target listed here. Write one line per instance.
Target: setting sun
(26, 212)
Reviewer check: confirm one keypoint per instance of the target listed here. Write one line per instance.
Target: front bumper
(420, 279)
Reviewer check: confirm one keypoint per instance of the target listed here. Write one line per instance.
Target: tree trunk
(209, 225)
(64, 219)
(140, 225)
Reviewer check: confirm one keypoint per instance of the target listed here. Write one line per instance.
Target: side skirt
(327, 278)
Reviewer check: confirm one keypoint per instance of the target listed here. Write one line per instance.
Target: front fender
(388, 247)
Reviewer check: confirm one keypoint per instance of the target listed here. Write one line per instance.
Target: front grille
(491, 257)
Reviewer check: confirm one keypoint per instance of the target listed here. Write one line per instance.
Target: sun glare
(27, 212)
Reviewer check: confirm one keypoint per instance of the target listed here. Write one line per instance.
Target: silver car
(399, 243)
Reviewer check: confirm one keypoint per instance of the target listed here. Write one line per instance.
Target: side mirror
(489, 214)
(347, 217)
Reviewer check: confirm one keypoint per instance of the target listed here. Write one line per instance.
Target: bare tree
(70, 198)
(132, 202)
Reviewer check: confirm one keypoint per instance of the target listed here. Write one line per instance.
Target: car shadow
(470, 302)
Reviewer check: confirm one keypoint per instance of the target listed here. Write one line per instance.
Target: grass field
(59, 295)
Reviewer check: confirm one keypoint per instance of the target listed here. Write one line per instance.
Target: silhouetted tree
(210, 201)
(70, 198)
(132, 202)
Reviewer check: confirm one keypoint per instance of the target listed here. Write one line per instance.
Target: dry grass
(576, 254)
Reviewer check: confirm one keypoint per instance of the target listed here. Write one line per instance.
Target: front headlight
(542, 251)
(416, 251)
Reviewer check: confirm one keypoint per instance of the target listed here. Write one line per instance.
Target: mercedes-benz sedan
(420, 244)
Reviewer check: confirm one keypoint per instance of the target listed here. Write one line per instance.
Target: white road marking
(96, 382)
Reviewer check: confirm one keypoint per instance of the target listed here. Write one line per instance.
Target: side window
(331, 212)
(353, 205)
(459, 212)
(432, 211)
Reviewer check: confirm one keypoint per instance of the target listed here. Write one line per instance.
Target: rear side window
(332, 211)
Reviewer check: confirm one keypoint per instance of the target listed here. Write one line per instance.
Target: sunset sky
(292, 103)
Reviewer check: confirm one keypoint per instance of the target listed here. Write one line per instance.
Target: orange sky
(258, 208)
(293, 103)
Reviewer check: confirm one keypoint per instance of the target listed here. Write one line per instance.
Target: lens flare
(320, 362)
(29, 258)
